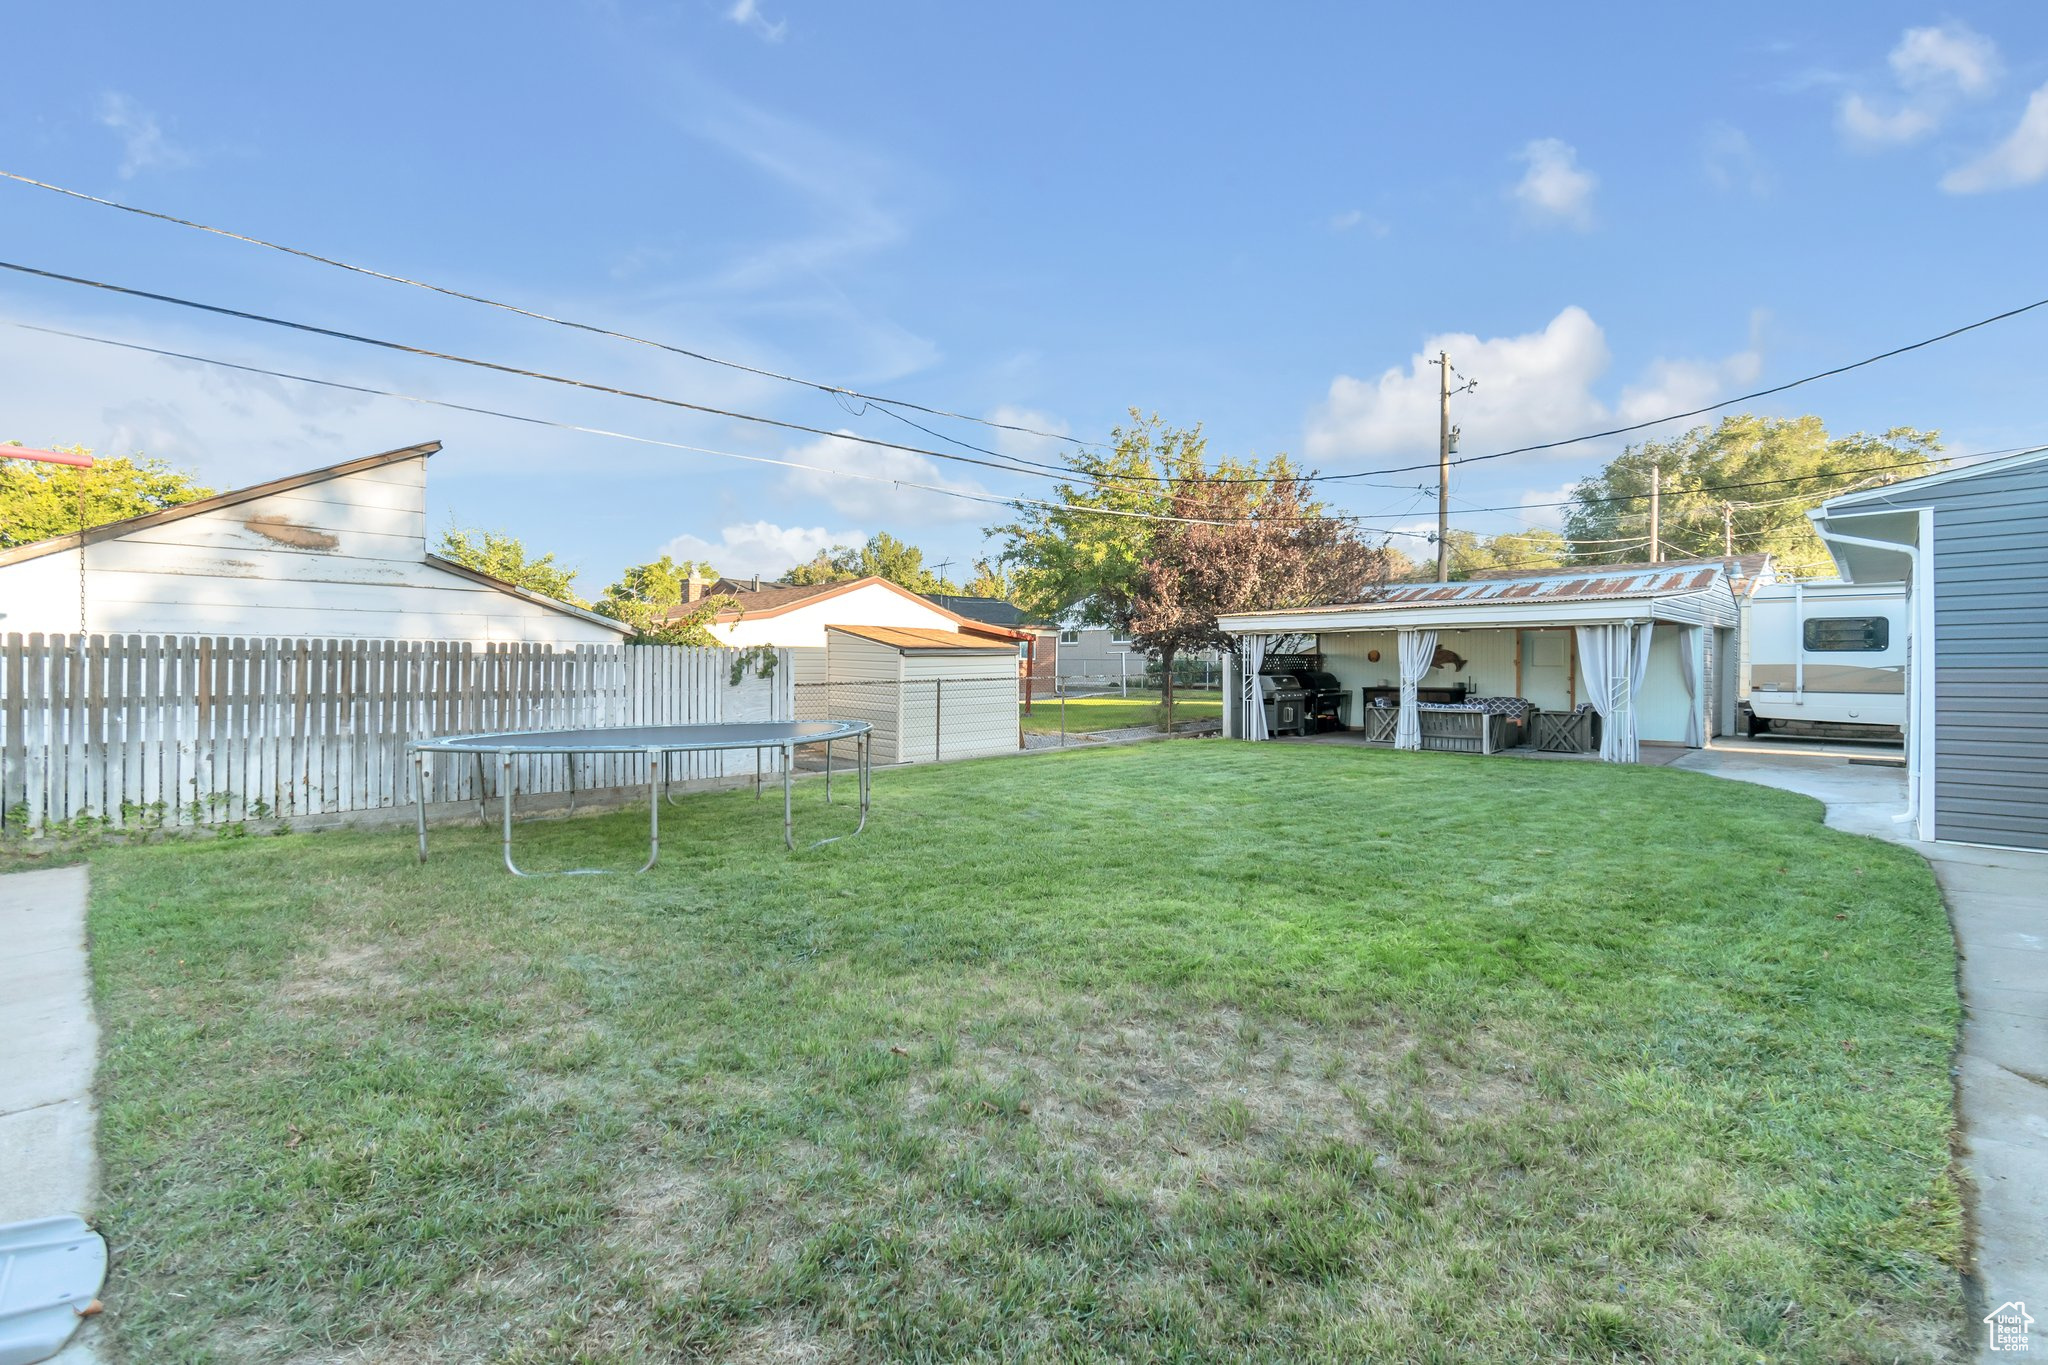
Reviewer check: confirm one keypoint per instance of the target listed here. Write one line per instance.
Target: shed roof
(916, 640)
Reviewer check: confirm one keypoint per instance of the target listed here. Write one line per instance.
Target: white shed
(334, 553)
(930, 694)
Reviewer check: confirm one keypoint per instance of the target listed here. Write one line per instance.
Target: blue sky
(1259, 220)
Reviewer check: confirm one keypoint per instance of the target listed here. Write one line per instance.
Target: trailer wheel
(1755, 725)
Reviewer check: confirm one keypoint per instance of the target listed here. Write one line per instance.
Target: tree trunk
(1166, 654)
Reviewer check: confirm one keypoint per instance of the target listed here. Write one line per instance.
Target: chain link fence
(917, 720)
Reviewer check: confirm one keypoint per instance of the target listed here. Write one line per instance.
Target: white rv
(1827, 657)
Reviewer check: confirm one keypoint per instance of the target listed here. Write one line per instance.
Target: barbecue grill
(1325, 701)
(1286, 702)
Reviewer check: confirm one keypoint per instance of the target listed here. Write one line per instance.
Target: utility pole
(1446, 442)
(1443, 467)
(1728, 530)
(1656, 511)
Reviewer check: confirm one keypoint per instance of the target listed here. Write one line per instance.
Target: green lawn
(1087, 714)
(1179, 1051)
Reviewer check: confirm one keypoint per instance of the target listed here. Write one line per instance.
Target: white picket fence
(185, 730)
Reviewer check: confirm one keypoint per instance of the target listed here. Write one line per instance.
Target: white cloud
(1535, 387)
(1682, 385)
(760, 547)
(1555, 188)
(1541, 505)
(2022, 159)
(1951, 54)
(880, 496)
(1869, 126)
(1531, 386)
(144, 145)
(1356, 220)
(1931, 66)
(1731, 161)
(747, 14)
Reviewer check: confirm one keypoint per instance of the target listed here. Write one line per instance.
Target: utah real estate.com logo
(2007, 1325)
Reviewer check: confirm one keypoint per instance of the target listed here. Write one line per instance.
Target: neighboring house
(1527, 635)
(1042, 656)
(1104, 655)
(1971, 546)
(795, 617)
(339, 552)
(838, 661)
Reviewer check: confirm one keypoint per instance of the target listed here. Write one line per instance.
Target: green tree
(882, 556)
(1081, 559)
(504, 556)
(39, 501)
(1534, 550)
(648, 597)
(1244, 538)
(1709, 469)
(989, 581)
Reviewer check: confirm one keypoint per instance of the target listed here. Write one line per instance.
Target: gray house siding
(1991, 657)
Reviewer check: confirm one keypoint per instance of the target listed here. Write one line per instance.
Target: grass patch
(1192, 1051)
(1086, 715)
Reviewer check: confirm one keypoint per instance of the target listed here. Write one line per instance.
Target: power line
(990, 499)
(1711, 407)
(588, 385)
(537, 316)
(886, 404)
(1771, 483)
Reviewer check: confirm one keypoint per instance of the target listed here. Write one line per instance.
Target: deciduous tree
(1767, 470)
(651, 598)
(39, 501)
(1251, 538)
(1082, 559)
(504, 556)
(882, 556)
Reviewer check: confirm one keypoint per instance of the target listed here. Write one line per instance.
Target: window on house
(1842, 634)
(1117, 637)
(1070, 637)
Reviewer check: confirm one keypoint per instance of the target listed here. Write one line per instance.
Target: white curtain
(1639, 669)
(1596, 668)
(1418, 648)
(1613, 660)
(1251, 658)
(1689, 665)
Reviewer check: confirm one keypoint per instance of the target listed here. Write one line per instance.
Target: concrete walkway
(49, 1047)
(1998, 904)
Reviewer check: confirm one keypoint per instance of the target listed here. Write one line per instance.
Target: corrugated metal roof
(1553, 585)
(919, 639)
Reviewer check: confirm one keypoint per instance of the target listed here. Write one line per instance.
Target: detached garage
(930, 694)
(1971, 546)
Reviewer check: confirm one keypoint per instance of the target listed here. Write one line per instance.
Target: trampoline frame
(681, 740)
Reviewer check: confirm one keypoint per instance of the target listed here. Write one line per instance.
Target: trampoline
(656, 743)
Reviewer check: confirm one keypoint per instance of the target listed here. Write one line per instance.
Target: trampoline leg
(505, 791)
(654, 790)
(757, 774)
(828, 772)
(419, 798)
(788, 830)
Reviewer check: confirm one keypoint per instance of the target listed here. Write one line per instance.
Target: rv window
(1830, 634)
